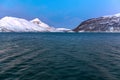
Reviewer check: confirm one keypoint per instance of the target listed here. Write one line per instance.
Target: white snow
(19, 25)
(39, 23)
(13, 24)
(111, 29)
(115, 15)
(62, 29)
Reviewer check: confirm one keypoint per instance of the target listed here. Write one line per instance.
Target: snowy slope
(12, 24)
(38, 22)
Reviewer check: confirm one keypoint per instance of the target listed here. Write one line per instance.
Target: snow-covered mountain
(13, 24)
(38, 22)
(63, 30)
(110, 23)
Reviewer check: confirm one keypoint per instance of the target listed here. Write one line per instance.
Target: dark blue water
(59, 56)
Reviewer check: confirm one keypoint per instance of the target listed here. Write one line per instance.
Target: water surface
(59, 56)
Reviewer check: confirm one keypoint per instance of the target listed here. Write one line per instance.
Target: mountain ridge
(109, 23)
(13, 24)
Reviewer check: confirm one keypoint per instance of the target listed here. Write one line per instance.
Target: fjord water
(59, 56)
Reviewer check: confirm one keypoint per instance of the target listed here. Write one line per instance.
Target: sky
(59, 13)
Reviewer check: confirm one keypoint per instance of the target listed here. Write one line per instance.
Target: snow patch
(115, 15)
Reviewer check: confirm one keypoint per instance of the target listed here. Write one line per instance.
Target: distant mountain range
(13, 24)
(109, 23)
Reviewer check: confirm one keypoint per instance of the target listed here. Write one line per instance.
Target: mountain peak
(36, 20)
(7, 17)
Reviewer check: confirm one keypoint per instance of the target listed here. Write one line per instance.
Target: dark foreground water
(59, 56)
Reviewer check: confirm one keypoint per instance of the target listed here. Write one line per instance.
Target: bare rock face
(102, 24)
